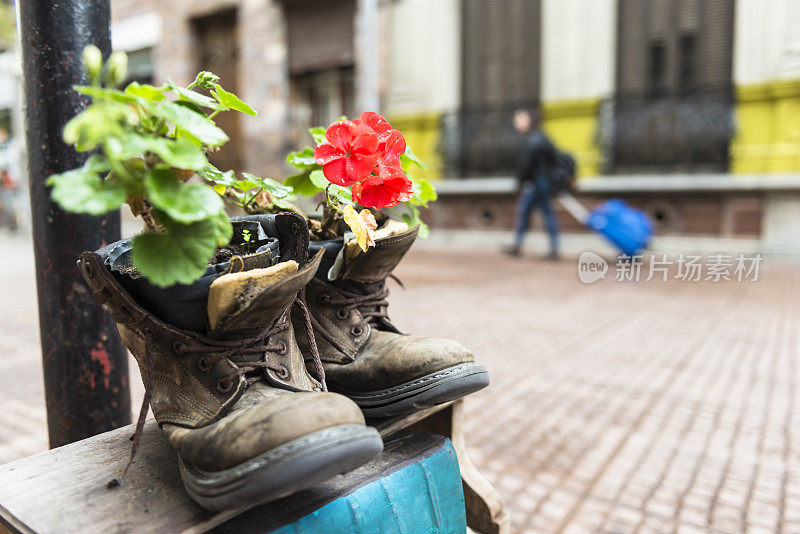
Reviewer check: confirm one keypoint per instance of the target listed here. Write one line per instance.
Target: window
(140, 66)
(327, 94)
(658, 68)
(687, 63)
(674, 97)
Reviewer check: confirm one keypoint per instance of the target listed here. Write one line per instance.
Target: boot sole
(436, 388)
(299, 464)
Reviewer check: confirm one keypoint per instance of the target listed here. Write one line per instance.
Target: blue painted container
(413, 487)
(627, 228)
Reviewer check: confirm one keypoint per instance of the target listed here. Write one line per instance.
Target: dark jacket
(536, 157)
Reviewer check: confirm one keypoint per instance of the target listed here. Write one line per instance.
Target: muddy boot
(249, 422)
(365, 357)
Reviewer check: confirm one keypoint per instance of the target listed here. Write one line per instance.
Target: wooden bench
(73, 489)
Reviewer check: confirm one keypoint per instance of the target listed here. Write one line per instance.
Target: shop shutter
(717, 43)
(501, 52)
(320, 34)
(631, 46)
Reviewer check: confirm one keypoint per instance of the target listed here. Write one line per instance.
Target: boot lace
(372, 305)
(216, 350)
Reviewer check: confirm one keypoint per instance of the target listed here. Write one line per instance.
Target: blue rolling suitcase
(627, 228)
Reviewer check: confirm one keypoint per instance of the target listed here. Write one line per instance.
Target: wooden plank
(150, 498)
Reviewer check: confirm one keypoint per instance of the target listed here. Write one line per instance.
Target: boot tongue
(241, 303)
(391, 244)
(230, 298)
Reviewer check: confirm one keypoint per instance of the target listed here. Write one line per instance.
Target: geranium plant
(147, 142)
(364, 162)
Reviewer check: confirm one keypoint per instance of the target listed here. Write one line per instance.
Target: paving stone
(659, 406)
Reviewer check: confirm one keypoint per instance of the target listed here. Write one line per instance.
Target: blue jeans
(536, 196)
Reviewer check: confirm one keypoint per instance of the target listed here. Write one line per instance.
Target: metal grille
(481, 142)
(673, 106)
(500, 73)
(672, 133)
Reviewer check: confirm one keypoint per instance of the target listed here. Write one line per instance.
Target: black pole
(85, 364)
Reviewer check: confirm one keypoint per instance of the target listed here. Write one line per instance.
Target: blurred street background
(614, 407)
(617, 406)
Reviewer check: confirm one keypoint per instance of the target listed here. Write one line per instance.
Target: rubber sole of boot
(299, 464)
(436, 388)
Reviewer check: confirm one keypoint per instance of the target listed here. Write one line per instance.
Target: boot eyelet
(324, 298)
(179, 347)
(284, 348)
(357, 330)
(282, 372)
(342, 313)
(204, 363)
(225, 385)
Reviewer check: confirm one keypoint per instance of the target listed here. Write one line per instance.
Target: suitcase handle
(574, 207)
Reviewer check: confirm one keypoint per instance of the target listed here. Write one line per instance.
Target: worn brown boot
(249, 422)
(365, 357)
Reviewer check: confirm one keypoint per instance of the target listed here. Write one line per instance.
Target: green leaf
(198, 99)
(197, 124)
(232, 101)
(410, 156)
(96, 123)
(412, 219)
(82, 190)
(179, 255)
(301, 184)
(146, 91)
(318, 133)
(424, 192)
(104, 93)
(276, 189)
(211, 173)
(185, 203)
(317, 178)
(303, 159)
(284, 204)
(179, 153)
(342, 194)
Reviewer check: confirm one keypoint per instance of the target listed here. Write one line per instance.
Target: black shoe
(513, 250)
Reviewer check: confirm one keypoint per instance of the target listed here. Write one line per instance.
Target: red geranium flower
(350, 153)
(383, 191)
(375, 121)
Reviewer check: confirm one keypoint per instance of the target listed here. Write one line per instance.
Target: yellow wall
(572, 125)
(422, 133)
(767, 128)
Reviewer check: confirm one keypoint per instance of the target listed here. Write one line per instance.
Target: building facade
(688, 109)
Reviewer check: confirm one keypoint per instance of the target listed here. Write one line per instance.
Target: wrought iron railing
(686, 131)
(480, 142)
(670, 132)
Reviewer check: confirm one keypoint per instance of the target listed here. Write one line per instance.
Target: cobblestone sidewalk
(614, 407)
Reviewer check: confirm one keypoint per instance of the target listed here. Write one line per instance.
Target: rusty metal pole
(85, 364)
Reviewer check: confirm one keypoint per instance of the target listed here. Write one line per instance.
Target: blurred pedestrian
(8, 185)
(536, 161)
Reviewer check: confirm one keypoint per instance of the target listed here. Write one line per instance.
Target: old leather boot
(249, 422)
(365, 357)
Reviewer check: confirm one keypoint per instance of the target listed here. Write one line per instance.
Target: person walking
(536, 160)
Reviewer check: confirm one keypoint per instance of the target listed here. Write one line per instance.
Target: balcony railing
(480, 142)
(667, 132)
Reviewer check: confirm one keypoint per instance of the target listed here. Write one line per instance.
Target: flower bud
(206, 79)
(92, 60)
(116, 69)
